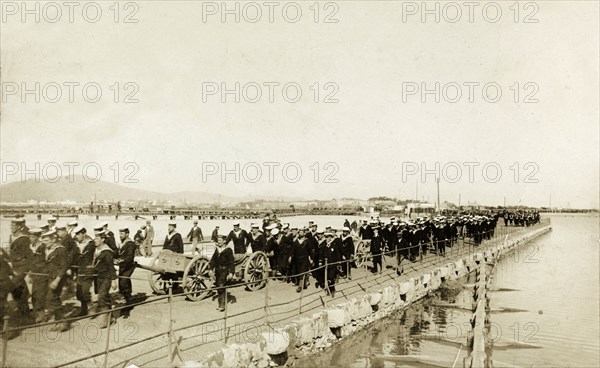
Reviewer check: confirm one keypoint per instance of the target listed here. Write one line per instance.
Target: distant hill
(82, 191)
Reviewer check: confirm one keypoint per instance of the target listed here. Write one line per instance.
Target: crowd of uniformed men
(66, 257)
(59, 258)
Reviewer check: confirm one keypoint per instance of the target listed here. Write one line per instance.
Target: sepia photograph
(307, 183)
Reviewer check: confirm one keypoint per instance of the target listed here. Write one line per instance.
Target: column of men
(409, 240)
(53, 259)
(293, 252)
(520, 218)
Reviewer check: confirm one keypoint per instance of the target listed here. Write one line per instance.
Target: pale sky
(368, 55)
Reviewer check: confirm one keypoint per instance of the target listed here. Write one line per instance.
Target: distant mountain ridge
(78, 189)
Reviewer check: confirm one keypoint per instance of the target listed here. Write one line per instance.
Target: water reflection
(423, 335)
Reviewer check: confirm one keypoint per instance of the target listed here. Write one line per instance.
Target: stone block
(405, 287)
(375, 298)
(336, 318)
(276, 342)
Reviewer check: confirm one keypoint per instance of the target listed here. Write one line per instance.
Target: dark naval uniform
(285, 252)
(56, 268)
(85, 275)
(6, 276)
(111, 242)
(39, 280)
(347, 250)
(365, 232)
(103, 265)
(240, 240)
(377, 246)
(258, 242)
(330, 253)
(174, 243)
(222, 262)
(126, 268)
(21, 258)
(301, 259)
(72, 252)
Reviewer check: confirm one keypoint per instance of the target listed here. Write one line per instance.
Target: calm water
(549, 319)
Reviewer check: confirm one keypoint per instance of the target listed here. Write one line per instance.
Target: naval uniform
(111, 242)
(103, 265)
(258, 242)
(38, 279)
(377, 246)
(347, 251)
(126, 268)
(85, 275)
(365, 232)
(223, 263)
(301, 258)
(56, 268)
(330, 254)
(174, 243)
(6, 276)
(20, 258)
(240, 240)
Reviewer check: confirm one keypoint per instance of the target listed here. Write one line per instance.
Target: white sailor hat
(328, 233)
(73, 223)
(294, 227)
(78, 229)
(285, 226)
(237, 223)
(373, 221)
(105, 223)
(254, 226)
(99, 232)
(172, 223)
(271, 227)
(345, 228)
(124, 229)
(320, 231)
(275, 231)
(61, 227)
(18, 220)
(52, 218)
(49, 233)
(98, 227)
(35, 231)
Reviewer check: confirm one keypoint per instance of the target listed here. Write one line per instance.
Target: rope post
(4, 341)
(348, 277)
(267, 301)
(105, 365)
(170, 333)
(326, 280)
(225, 318)
(302, 281)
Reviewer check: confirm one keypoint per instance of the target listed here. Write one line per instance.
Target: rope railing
(460, 246)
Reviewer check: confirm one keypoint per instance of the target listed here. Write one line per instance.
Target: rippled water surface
(545, 312)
